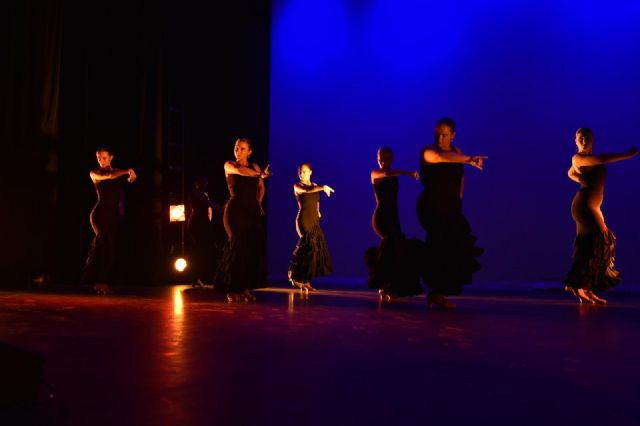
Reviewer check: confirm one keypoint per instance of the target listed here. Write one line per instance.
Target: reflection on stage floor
(181, 356)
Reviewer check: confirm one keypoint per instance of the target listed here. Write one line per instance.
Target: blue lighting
(308, 35)
(519, 77)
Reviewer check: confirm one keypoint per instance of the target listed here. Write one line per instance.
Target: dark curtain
(79, 75)
(30, 101)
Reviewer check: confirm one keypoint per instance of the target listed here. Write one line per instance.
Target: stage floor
(164, 356)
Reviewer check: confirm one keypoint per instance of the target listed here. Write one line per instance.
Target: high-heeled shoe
(384, 296)
(296, 284)
(102, 288)
(234, 297)
(439, 300)
(594, 298)
(308, 287)
(248, 296)
(577, 293)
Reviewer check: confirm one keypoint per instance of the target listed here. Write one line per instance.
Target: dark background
(136, 76)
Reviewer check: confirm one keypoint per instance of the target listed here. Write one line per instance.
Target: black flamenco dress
(105, 222)
(451, 252)
(394, 265)
(594, 245)
(311, 257)
(243, 265)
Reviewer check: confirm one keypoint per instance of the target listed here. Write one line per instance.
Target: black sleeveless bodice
(243, 189)
(593, 179)
(106, 212)
(307, 209)
(242, 210)
(441, 182)
(585, 208)
(109, 192)
(386, 221)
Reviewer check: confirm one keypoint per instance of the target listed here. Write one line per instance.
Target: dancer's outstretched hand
(132, 176)
(477, 161)
(265, 173)
(328, 190)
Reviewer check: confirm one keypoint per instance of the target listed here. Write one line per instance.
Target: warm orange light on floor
(178, 302)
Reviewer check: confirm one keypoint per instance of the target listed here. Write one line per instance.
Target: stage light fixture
(177, 213)
(180, 264)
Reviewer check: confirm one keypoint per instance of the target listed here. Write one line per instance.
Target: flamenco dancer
(451, 250)
(311, 257)
(104, 219)
(393, 267)
(594, 246)
(243, 264)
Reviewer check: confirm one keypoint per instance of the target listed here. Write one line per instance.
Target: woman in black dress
(104, 220)
(594, 246)
(393, 267)
(311, 257)
(243, 264)
(451, 251)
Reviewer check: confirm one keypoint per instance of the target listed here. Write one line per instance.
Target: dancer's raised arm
(104, 174)
(382, 173)
(435, 155)
(385, 160)
(300, 189)
(588, 159)
(235, 168)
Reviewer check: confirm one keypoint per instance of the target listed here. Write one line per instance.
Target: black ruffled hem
(394, 266)
(593, 266)
(243, 265)
(451, 258)
(311, 257)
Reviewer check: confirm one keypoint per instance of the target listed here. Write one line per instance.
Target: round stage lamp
(180, 264)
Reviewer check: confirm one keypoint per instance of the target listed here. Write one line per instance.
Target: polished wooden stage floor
(164, 356)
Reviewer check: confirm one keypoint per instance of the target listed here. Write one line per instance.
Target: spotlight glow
(180, 264)
(176, 213)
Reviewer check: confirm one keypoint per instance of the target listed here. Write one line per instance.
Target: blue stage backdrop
(518, 77)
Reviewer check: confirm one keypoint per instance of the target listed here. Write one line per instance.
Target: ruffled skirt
(593, 262)
(243, 265)
(451, 254)
(395, 267)
(311, 257)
